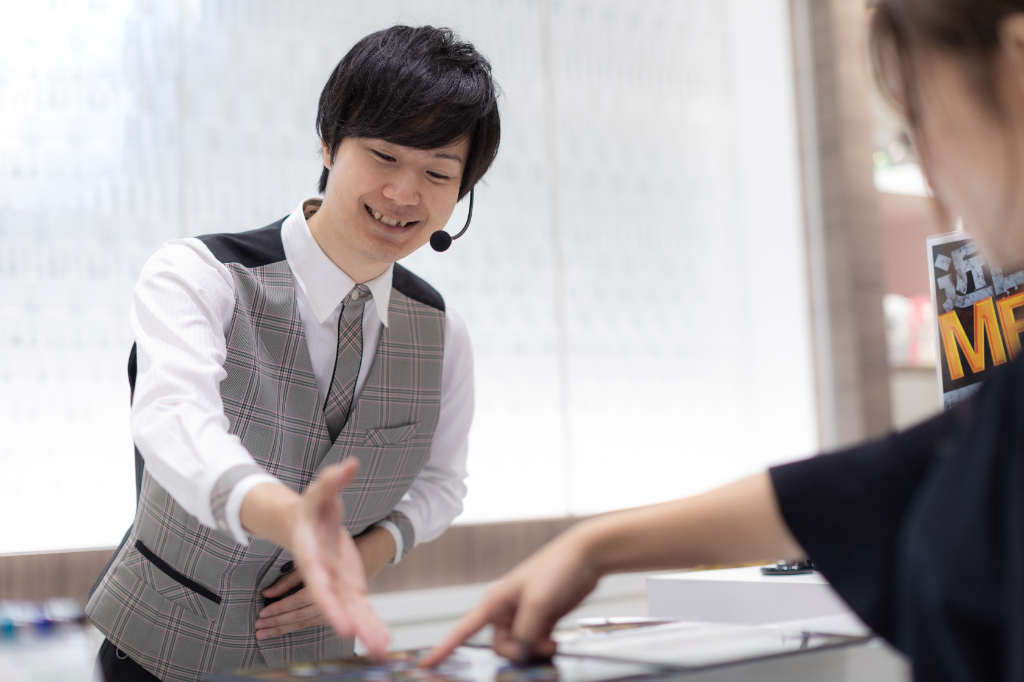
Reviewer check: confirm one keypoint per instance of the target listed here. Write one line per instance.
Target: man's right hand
(330, 563)
(310, 527)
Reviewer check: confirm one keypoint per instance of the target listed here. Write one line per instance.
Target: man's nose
(402, 190)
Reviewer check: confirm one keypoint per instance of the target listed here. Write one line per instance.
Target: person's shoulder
(250, 249)
(185, 265)
(186, 258)
(416, 288)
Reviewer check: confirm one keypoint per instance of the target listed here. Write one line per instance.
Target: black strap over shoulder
(415, 288)
(250, 249)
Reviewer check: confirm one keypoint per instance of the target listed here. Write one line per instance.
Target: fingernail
(261, 624)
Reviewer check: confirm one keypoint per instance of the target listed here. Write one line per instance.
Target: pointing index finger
(468, 625)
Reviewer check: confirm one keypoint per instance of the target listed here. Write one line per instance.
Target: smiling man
(277, 368)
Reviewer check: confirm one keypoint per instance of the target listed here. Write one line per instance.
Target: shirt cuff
(397, 535)
(233, 507)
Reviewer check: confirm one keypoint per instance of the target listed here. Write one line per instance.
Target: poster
(979, 314)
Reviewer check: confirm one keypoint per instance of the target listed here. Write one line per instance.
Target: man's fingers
(270, 633)
(279, 629)
(468, 625)
(370, 629)
(319, 571)
(331, 603)
(331, 563)
(292, 602)
(306, 616)
(284, 584)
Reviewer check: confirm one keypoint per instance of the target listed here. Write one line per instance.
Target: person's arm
(738, 522)
(181, 307)
(846, 509)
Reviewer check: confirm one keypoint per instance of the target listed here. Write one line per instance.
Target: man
(273, 364)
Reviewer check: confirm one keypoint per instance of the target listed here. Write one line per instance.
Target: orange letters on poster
(953, 334)
(1012, 327)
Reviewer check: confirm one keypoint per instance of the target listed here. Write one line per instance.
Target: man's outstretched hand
(310, 527)
(331, 564)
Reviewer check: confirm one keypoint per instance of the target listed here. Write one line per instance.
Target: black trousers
(117, 667)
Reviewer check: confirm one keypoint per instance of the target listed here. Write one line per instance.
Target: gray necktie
(350, 355)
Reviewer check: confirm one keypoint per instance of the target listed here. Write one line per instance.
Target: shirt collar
(324, 283)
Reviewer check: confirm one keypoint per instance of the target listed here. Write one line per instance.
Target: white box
(742, 595)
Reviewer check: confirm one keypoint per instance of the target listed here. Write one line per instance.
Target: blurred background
(701, 230)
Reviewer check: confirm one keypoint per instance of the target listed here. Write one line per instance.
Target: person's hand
(526, 604)
(294, 612)
(330, 564)
(735, 523)
(298, 611)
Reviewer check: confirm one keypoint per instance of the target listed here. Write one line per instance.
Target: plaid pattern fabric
(179, 632)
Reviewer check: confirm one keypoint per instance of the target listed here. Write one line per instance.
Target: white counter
(745, 595)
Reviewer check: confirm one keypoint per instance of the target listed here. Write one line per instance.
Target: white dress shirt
(181, 311)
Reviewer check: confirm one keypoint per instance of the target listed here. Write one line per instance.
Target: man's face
(383, 201)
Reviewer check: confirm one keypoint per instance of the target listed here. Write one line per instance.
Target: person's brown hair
(968, 29)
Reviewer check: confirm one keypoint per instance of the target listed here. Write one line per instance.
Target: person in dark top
(921, 532)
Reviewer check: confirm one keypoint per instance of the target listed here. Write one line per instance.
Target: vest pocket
(174, 585)
(396, 434)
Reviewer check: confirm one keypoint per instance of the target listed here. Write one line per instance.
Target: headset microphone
(441, 240)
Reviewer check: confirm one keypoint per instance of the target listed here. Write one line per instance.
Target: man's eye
(383, 156)
(438, 176)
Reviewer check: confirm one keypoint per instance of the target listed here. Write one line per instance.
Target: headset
(441, 240)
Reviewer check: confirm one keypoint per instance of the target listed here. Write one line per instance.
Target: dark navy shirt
(922, 533)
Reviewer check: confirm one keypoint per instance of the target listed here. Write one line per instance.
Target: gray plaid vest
(181, 598)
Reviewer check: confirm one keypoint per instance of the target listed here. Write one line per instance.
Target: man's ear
(325, 152)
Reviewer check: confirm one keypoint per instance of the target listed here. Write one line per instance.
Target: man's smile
(390, 222)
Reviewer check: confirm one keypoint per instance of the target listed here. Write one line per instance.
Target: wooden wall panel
(464, 554)
(37, 577)
(844, 238)
(906, 223)
(468, 554)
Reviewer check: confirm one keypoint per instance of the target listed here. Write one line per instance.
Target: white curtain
(634, 280)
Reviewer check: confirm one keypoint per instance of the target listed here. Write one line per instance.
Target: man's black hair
(417, 87)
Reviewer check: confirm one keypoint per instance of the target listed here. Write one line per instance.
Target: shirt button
(287, 567)
(355, 295)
